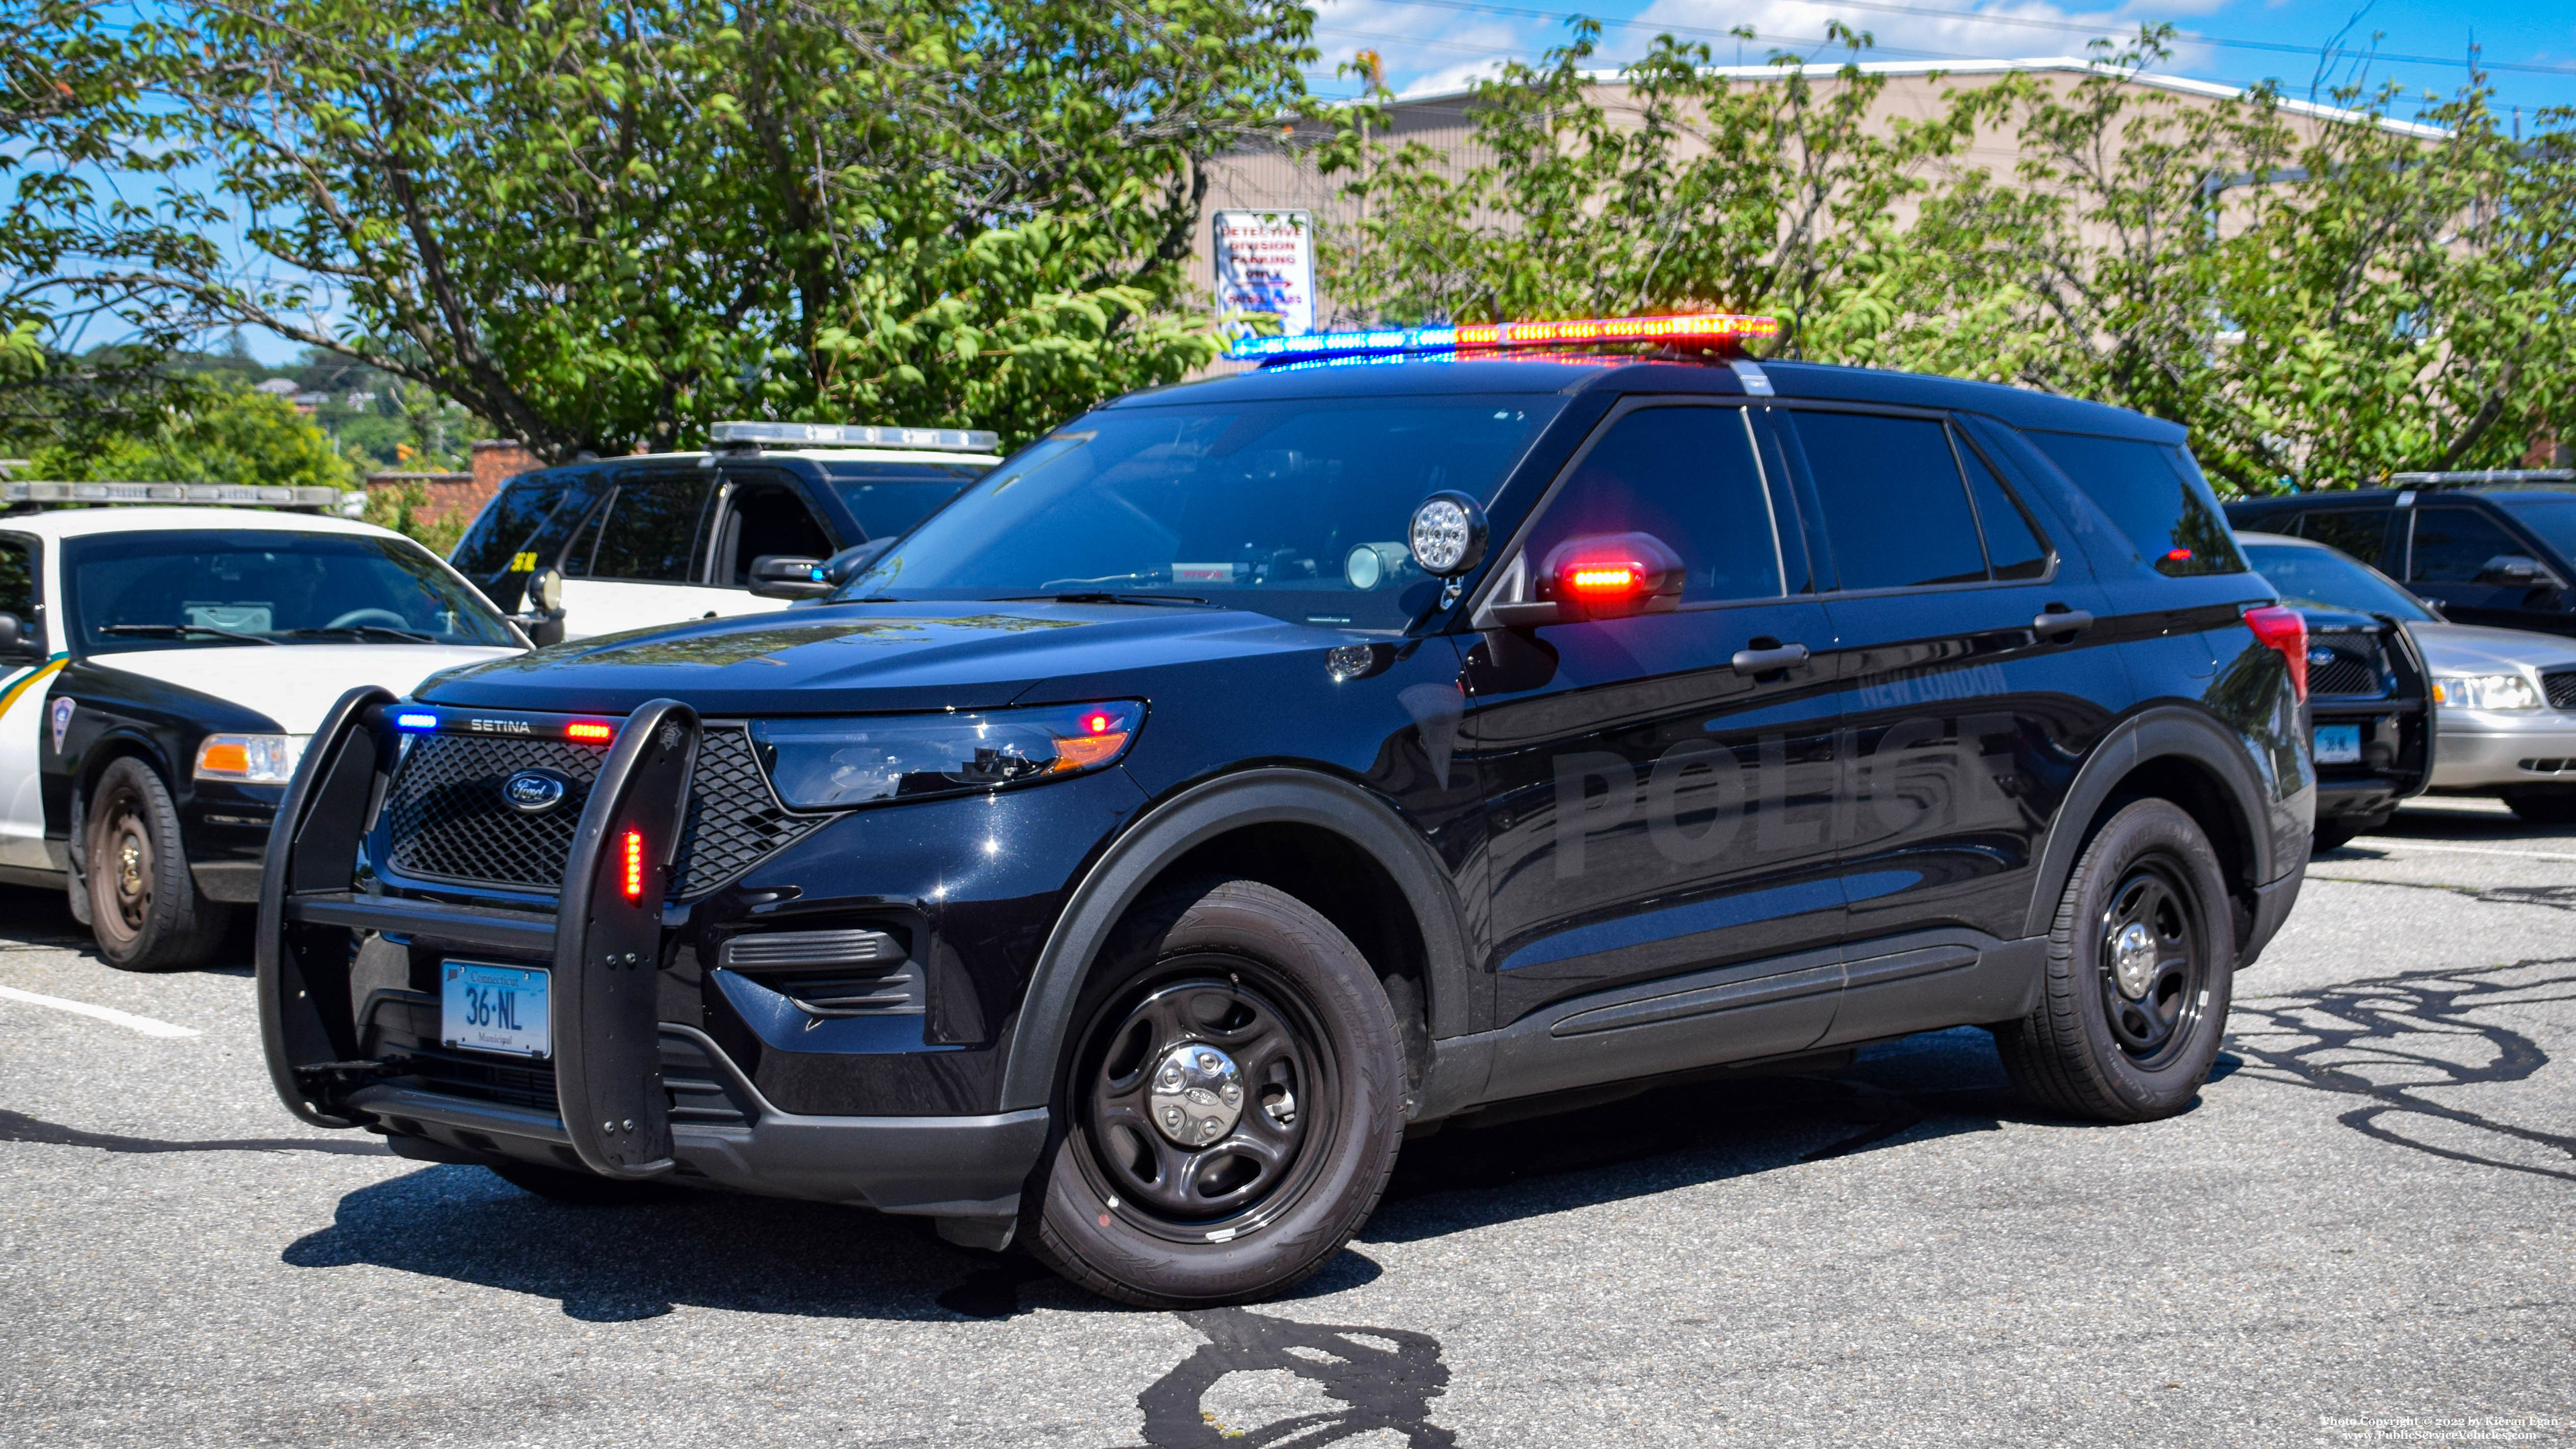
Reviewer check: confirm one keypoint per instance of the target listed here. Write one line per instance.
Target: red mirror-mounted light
(1611, 576)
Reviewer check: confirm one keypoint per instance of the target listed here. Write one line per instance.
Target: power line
(1892, 7)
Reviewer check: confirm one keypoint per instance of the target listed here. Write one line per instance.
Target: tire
(145, 911)
(2543, 807)
(580, 1189)
(1261, 1188)
(2111, 1049)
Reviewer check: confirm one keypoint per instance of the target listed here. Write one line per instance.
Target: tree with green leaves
(603, 225)
(81, 353)
(217, 432)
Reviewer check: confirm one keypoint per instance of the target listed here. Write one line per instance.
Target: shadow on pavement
(40, 918)
(2388, 1040)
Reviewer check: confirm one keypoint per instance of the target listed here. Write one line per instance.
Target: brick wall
(496, 461)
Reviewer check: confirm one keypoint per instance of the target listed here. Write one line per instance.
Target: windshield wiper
(1104, 599)
(181, 631)
(362, 630)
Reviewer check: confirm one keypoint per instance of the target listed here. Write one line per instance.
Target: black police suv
(1252, 770)
(2495, 548)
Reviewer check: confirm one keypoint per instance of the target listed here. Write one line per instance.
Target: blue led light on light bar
(416, 719)
(1476, 336)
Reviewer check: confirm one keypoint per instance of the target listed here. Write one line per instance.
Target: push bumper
(612, 1114)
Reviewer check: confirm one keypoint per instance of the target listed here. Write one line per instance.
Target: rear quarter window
(509, 525)
(2155, 494)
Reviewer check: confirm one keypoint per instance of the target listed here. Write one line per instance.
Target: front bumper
(2491, 749)
(350, 1020)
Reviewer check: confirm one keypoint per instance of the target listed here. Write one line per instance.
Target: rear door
(1973, 683)
(1654, 811)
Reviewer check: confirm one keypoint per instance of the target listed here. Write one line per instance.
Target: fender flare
(1273, 795)
(2151, 734)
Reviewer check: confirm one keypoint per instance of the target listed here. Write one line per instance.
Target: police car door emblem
(533, 792)
(62, 722)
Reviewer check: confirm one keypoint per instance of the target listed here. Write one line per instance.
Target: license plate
(495, 1009)
(2338, 744)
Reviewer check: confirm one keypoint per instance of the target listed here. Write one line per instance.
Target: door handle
(1763, 661)
(2061, 621)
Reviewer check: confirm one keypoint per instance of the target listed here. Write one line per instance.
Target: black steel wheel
(2141, 963)
(144, 907)
(1230, 1105)
(2153, 960)
(1201, 1095)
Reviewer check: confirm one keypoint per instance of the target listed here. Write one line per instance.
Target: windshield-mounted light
(829, 764)
(250, 759)
(2485, 691)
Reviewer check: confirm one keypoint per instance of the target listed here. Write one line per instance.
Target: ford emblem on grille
(2321, 655)
(534, 792)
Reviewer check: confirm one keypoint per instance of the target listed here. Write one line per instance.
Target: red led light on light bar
(1616, 329)
(590, 732)
(632, 850)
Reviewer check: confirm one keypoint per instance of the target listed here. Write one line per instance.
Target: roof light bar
(856, 435)
(1594, 331)
(239, 494)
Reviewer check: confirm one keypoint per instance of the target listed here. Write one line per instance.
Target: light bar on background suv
(1479, 336)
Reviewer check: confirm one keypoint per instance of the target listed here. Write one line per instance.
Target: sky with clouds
(1439, 44)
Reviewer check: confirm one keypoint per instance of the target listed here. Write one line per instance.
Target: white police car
(772, 514)
(160, 669)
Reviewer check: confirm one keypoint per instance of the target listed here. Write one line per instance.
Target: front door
(23, 680)
(2461, 558)
(639, 562)
(1653, 810)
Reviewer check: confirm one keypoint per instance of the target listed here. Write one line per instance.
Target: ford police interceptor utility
(754, 524)
(1253, 769)
(160, 671)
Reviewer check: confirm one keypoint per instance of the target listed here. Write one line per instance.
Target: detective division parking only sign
(1265, 262)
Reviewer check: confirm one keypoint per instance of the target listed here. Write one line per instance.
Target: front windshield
(2330, 580)
(1295, 509)
(214, 588)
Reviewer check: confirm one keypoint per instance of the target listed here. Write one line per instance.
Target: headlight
(820, 764)
(251, 759)
(2486, 691)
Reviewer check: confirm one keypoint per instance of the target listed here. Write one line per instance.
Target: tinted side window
(2155, 494)
(18, 579)
(650, 529)
(2361, 532)
(2013, 548)
(509, 523)
(2452, 545)
(1687, 476)
(1895, 510)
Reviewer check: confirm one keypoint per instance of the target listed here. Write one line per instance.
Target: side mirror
(786, 576)
(13, 636)
(1601, 576)
(2512, 570)
(853, 561)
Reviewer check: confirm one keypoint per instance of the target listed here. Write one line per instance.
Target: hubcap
(1197, 1095)
(2133, 959)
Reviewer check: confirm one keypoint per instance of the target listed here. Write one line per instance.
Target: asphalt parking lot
(2362, 1233)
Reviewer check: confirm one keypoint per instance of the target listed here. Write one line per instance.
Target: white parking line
(126, 1019)
(2404, 844)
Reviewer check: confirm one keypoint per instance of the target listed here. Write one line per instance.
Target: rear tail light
(2284, 631)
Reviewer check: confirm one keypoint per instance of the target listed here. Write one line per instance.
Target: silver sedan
(2506, 718)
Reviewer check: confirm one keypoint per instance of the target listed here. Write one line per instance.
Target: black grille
(2347, 665)
(449, 822)
(2561, 685)
(734, 817)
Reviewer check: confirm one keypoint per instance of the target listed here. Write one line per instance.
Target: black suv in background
(1255, 769)
(2496, 548)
